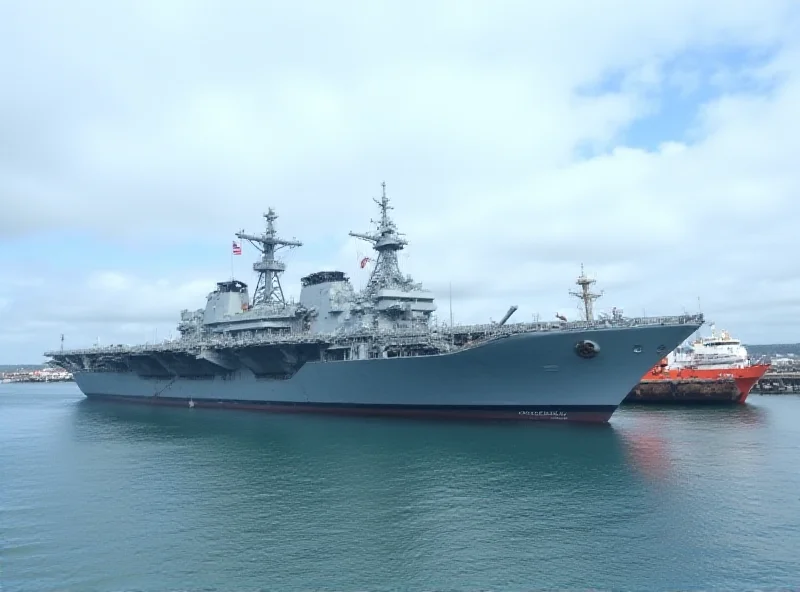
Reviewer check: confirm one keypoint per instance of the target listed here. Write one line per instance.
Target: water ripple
(104, 496)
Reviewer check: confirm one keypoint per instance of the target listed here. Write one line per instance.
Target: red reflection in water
(647, 450)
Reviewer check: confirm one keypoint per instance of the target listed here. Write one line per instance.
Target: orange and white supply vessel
(712, 369)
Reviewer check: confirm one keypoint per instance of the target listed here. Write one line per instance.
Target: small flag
(364, 262)
(237, 248)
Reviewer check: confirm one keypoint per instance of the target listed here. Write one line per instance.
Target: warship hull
(525, 376)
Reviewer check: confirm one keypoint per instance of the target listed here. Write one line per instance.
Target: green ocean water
(108, 496)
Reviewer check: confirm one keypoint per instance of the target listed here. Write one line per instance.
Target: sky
(654, 142)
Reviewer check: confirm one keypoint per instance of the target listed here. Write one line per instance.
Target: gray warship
(378, 350)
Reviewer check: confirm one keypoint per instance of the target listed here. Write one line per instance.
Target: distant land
(774, 350)
(757, 351)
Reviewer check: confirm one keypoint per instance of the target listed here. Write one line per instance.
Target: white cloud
(112, 306)
(500, 130)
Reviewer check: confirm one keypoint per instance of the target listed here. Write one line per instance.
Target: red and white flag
(237, 248)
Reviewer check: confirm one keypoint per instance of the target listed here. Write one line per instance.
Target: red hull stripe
(576, 413)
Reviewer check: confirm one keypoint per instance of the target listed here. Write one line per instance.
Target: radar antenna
(585, 295)
(268, 288)
(386, 241)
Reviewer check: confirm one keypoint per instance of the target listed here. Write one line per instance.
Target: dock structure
(42, 375)
(777, 382)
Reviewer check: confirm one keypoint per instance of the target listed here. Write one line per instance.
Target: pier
(779, 382)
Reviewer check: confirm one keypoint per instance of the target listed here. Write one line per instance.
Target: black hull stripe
(593, 413)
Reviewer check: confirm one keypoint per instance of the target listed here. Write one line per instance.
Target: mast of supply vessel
(585, 295)
(268, 288)
(386, 241)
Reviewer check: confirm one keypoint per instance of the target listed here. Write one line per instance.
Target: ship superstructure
(229, 309)
(268, 290)
(717, 352)
(391, 300)
(376, 350)
(586, 296)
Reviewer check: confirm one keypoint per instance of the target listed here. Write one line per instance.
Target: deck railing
(440, 335)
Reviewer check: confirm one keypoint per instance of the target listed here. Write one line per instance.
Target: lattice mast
(387, 242)
(585, 295)
(268, 288)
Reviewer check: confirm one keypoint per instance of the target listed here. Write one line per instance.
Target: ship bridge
(235, 286)
(388, 299)
(322, 277)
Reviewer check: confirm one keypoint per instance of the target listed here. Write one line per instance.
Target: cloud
(653, 142)
(110, 306)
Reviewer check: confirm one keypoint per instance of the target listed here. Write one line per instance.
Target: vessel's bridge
(280, 356)
(417, 300)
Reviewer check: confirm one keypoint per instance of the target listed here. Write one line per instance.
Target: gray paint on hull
(531, 369)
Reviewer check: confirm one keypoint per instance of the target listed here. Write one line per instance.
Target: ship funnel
(512, 309)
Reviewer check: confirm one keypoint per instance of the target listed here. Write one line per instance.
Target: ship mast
(585, 295)
(386, 241)
(268, 288)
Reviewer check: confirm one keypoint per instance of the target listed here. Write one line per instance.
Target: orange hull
(743, 378)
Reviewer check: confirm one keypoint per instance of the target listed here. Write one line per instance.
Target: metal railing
(442, 334)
